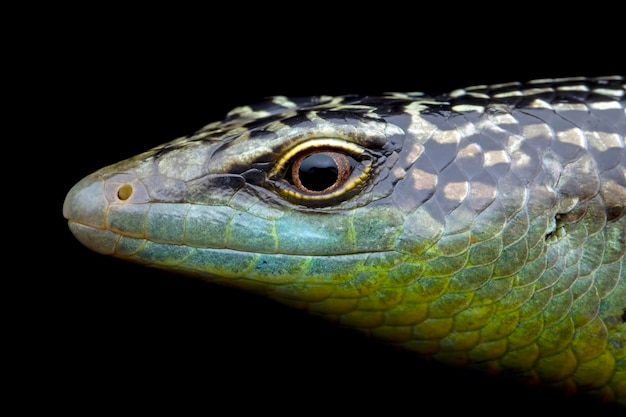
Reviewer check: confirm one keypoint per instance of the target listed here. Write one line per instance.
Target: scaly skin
(485, 227)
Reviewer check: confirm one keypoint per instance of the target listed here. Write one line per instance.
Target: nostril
(124, 192)
(125, 188)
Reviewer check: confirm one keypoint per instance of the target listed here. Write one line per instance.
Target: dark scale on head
(162, 150)
(254, 124)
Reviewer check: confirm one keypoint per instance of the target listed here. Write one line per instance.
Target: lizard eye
(321, 172)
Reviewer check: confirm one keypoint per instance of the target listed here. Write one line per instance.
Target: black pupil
(318, 172)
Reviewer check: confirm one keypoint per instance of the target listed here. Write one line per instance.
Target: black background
(124, 337)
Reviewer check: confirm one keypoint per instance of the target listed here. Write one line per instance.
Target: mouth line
(89, 235)
(73, 221)
(97, 239)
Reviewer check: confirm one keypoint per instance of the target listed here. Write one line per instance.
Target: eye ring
(332, 168)
(352, 162)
